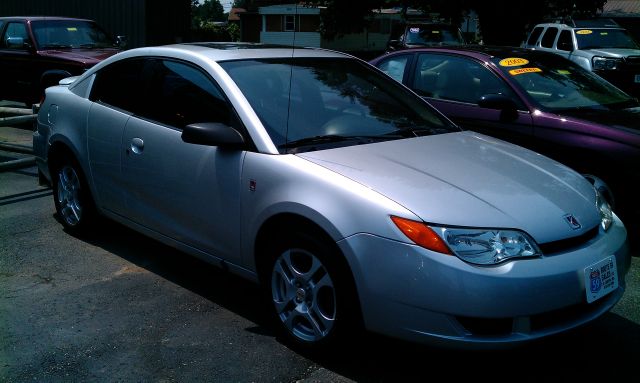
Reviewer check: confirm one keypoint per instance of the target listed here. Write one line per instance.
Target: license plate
(637, 79)
(601, 278)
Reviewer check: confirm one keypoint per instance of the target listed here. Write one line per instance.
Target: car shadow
(606, 348)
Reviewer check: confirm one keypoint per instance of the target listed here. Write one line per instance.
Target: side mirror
(500, 102)
(121, 41)
(212, 134)
(16, 43)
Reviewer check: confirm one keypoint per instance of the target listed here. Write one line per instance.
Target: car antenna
(293, 49)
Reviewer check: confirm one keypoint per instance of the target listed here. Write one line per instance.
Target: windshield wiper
(88, 45)
(333, 138)
(422, 130)
(57, 46)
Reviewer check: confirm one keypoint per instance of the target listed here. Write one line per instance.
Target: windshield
(70, 34)
(430, 35)
(605, 38)
(315, 103)
(558, 84)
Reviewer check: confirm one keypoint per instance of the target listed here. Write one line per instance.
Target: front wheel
(71, 196)
(309, 292)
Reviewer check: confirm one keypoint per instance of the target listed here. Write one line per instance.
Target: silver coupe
(352, 201)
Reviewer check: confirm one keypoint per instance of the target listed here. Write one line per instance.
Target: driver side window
(15, 30)
(455, 78)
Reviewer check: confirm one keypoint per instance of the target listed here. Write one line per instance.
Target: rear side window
(121, 85)
(549, 37)
(533, 38)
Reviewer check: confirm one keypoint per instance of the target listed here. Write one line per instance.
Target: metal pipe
(17, 164)
(18, 119)
(16, 148)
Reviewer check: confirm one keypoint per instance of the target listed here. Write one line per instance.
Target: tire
(71, 195)
(310, 292)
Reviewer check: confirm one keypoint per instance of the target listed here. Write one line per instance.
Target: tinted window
(549, 37)
(456, 78)
(181, 94)
(121, 85)
(537, 31)
(314, 103)
(565, 41)
(394, 66)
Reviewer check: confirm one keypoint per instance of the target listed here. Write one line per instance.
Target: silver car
(349, 198)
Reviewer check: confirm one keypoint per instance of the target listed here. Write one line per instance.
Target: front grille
(633, 60)
(486, 326)
(568, 243)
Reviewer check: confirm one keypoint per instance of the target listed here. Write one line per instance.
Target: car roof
(580, 26)
(225, 51)
(478, 51)
(38, 18)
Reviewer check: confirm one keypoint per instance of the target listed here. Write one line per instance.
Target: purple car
(537, 100)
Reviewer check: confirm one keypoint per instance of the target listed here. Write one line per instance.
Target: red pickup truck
(37, 52)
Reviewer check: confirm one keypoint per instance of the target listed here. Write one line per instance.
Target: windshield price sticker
(513, 61)
(515, 72)
(72, 29)
(601, 278)
(414, 30)
(584, 32)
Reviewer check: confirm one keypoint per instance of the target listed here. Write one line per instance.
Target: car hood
(467, 179)
(614, 52)
(625, 119)
(85, 56)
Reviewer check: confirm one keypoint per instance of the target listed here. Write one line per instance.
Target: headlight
(606, 215)
(488, 246)
(478, 246)
(605, 63)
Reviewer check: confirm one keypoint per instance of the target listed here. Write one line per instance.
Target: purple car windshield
(557, 84)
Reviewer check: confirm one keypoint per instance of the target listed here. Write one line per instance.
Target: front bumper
(411, 293)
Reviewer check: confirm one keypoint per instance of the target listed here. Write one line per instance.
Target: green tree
(206, 12)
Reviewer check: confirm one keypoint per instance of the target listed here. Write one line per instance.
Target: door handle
(137, 145)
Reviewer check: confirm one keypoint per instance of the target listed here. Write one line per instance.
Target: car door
(187, 192)
(455, 84)
(116, 94)
(16, 71)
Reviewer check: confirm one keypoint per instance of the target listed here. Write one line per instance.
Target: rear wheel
(71, 195)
